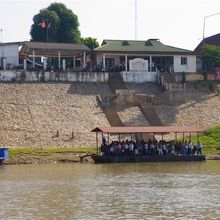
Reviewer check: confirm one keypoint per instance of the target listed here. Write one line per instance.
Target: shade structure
(150, 129)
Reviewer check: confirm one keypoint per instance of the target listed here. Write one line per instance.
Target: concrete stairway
(112, 116)
(110, 113)
(150, 114)
(116, 81)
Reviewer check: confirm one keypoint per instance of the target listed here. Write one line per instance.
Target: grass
(210, 140)
(33, 152)
(206, 86)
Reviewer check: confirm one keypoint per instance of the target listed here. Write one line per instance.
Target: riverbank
(54, 155)
(64, 155)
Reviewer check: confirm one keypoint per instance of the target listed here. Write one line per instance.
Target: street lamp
(203, 36)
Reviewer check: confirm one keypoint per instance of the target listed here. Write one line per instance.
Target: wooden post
(72, 135)
(57, 133)
(97, 144)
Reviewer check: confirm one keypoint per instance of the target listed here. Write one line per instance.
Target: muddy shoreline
(62, 158)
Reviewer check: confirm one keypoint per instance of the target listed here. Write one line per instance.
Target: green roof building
(117, 55)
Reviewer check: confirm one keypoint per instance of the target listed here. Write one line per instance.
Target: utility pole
(135, 19)
(1, 35)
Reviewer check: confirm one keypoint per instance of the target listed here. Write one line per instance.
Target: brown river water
(111, 191)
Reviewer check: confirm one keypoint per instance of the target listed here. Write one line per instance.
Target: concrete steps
(110, 113)
(151, 114)
(116, 81)
(113, 117)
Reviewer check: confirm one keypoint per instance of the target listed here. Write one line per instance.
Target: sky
(176, 23)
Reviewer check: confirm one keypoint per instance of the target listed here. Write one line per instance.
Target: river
(111, 191)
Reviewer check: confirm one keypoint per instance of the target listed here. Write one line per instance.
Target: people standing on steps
(106, 102)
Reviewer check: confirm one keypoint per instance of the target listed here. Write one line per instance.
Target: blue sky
(176, 23)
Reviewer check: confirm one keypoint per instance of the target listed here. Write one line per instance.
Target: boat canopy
(150, 129)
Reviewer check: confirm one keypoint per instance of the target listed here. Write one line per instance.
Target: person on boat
(199, 148)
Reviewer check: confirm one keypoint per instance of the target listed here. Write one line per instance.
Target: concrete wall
(11, 52)
(41, 76)
(190, 67)
(139, 76)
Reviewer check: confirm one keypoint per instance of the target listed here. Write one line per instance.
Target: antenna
(135, 19)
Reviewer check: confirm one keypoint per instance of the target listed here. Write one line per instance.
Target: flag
(43, 24)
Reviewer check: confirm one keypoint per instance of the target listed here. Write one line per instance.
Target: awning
(151, 129)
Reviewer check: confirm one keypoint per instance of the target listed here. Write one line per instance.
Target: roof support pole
(97, 143)
(190, 136)
(103, 61)
(126, 62)
(33, 58)
(74, 62)
(59, 59)
(150, 64)
(84, 60)
(197, 137)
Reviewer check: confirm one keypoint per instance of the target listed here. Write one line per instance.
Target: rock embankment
(31, 115)
(201, 109)
(52, 115)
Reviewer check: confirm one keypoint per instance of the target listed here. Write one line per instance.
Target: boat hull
(141, 159)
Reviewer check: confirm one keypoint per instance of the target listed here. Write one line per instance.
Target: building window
(183, 60)
(109, 62)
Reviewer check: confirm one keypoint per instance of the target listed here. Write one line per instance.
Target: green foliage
(64, 25)
(211, 56)
(92, 43)
(210, 140)
(205, 86)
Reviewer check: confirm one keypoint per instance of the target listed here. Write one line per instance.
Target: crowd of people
(150, 147)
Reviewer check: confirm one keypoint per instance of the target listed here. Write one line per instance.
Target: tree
(211, 56)
(92, 43)
(61, 25)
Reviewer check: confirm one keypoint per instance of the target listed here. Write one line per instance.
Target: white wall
(190, 67)
(11, 52)
(41, 76)
(139, 76)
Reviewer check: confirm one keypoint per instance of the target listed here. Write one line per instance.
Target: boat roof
(150, 129)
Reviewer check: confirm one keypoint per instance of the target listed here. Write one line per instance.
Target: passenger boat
(143, 158)
(102, 158)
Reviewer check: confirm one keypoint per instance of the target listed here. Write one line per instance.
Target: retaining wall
(44, 76)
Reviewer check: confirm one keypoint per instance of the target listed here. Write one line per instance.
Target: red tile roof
(152, 129)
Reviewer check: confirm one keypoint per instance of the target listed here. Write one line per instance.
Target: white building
(118, 55)
(9, 53)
